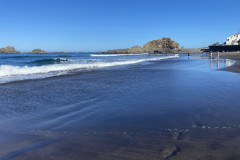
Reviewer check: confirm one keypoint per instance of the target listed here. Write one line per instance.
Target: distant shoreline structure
(232, 44)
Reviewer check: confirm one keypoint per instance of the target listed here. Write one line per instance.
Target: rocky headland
(163, 45)
(8, 49)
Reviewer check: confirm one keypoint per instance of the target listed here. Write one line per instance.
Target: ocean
(98, 106)
(14, 67)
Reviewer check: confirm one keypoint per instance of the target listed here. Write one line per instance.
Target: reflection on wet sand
(210, 60)
(216, 60)
(229, 62)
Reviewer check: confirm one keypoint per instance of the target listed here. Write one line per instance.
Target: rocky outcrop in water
(164, 45)
(136, 49)
(117, 51)
(8, 49)
(38, 51)
(132, 50)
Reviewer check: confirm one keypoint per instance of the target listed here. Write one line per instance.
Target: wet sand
(234, 56)
(234, 68)
(208, 143)
(172, 109)
(230, 55)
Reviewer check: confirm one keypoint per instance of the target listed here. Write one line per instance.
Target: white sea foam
(112, 55)
(62, 59)
(13, 73)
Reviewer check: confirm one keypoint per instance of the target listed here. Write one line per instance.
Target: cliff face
(164, 45)
(8, 49)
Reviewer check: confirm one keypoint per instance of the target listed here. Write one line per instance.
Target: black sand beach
(182, 108)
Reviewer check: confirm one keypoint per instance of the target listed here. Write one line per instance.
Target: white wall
(233, 40)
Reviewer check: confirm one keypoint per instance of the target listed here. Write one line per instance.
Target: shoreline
(233, 56)
(235, 68)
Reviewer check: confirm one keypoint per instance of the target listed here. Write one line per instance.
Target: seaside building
(231, 45)
(234, 39)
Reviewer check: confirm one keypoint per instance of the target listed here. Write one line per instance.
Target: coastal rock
(8, 49)
(136, 49)
(118, 51)
(132, 50)
(162, 43)
(38, 51)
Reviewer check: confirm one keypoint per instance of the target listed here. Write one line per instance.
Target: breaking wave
(50, 61)
(13, 73)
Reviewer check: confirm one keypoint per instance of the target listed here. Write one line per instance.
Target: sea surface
(14, 67)
(98, 106)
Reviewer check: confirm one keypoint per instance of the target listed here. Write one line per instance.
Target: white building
(234, 39)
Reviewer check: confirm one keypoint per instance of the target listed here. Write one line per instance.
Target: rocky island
(163, 45)
(37, 51)
(8, 49)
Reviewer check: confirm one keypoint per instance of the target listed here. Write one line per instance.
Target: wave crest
(50, 61)
(14, 71)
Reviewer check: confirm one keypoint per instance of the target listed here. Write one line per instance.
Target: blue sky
(99, 25)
